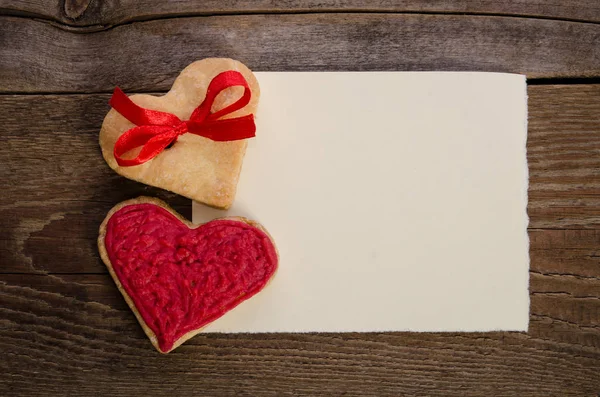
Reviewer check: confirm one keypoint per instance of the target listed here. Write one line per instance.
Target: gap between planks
(536, 81)
(93, 28)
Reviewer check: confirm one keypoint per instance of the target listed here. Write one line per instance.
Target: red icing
(181, 279)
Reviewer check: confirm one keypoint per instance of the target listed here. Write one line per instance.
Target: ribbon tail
(225, 130)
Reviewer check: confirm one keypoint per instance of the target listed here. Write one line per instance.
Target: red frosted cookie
(178, 277)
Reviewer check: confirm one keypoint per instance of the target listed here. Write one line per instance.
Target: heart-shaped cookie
(177, 277)
(195, 167)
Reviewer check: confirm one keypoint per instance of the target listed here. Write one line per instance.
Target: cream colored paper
(397, 201)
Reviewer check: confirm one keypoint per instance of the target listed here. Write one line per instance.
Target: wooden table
(64, 327)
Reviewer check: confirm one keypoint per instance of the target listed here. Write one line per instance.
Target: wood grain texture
(36, 56)
(563, 153)
(113, 12)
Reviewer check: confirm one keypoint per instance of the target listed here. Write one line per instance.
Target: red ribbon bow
(156, 130)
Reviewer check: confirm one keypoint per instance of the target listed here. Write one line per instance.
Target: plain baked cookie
(178, 277)
(194, 167)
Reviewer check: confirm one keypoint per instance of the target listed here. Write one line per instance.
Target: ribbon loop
(155, 130)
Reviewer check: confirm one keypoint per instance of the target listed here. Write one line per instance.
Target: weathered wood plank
(75, 335)
(36, 56)
(111, 12)
(563, 152)
(57, 188)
